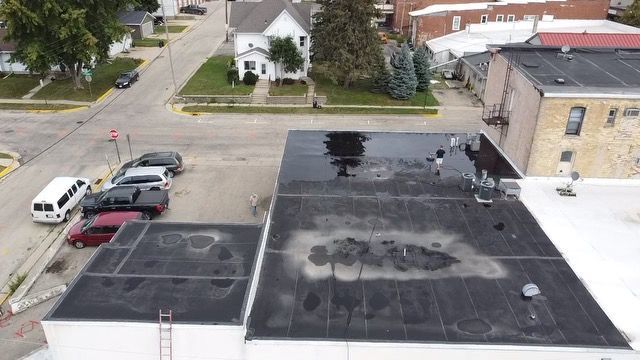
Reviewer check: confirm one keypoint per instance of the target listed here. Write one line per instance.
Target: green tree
(284, 53)
(631, 15)
(421, 65)
(149, 6)
(380, 76)
(344, 39)
(62, 32)
(403, 81)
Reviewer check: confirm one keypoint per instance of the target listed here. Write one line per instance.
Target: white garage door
(147, 29)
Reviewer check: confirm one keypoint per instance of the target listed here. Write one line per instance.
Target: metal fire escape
(498, 114)
(166, 345)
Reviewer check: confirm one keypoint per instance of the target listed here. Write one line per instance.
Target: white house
(256, 23)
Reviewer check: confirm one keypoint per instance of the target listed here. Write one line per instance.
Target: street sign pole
(113, 133)
(115, 141)
(129, 142)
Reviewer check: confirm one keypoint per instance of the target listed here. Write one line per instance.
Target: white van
(55, 201)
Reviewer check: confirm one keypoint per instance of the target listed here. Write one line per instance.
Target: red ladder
(166, 349)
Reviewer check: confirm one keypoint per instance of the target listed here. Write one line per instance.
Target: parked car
(54, 203)
(126, 198)
(169, 159)
(144, 178)
(159, 20)
(100, 228)
(127, 78)
(193, 9)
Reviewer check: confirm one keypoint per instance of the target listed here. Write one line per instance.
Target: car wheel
(78, 244)
(67, 216)
(155, 188)
(148, 214)
(89, 214)
(88, 192)
(171, 174)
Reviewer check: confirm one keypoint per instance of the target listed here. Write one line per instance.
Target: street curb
(58, 111)
(14, 165)
(103, 96)
(175, 110)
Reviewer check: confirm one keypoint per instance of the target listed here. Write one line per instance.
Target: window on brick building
(456, 23)
(576, 116)
(611, 118)
(511, 18)
(484, 19)
(500, 18)
(632, 112)
(529, 17)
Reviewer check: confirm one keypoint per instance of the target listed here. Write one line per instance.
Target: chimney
(535, 25)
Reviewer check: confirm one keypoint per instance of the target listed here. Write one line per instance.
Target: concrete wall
(523, 102)
(70, 340)
(436, 25)
(206, 99)
(298, 100)
(599, 151)
(472, 79)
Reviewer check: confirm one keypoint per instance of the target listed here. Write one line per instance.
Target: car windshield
(116, 179)
(87, 224)
(123, 75)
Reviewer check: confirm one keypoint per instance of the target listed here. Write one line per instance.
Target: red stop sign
(114, 134)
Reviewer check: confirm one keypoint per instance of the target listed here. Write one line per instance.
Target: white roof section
(57, 186)
(598, 234)
(476, 37)
(438, 8)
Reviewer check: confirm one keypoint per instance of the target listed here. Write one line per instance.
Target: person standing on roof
(440, 157)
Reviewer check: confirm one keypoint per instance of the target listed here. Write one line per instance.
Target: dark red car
(100, 228)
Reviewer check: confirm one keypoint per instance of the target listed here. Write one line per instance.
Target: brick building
(566, 111)
(431, 19)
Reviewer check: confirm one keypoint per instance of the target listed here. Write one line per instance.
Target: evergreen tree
(631, 15)
(149, 6)
(67, 32)
(403, 81)
(380, 76)
(421, 65)
(345, 42)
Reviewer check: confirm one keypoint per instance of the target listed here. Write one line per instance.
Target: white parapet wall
(81, 340)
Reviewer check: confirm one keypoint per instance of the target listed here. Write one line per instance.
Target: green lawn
(26, 106)
(147, 42)
(5, 156)
(287, 90)
(359, 94)
(159, 29)
(16, 86)
(104, 76)
(211, 79)
(303, 110)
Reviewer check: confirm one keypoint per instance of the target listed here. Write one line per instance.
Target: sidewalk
(454, 107)
(9, 164)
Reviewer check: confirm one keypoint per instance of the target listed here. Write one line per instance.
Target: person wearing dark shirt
(440, 156)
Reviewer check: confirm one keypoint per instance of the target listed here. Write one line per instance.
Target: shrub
(233, 76)
(249, 78)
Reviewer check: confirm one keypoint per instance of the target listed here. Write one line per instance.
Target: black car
(169, 159)
(127, 78)
(126, 198)
(193, 9)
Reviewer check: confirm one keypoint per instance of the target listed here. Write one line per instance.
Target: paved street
(228, 156)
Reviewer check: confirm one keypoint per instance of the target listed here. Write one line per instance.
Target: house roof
(6, 45)
(255, 17)
(480, 62)
(476, 38)
(586, 72)
(588, 39)
(256, 49)
(133, 17)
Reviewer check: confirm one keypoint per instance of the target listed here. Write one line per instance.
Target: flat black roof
(368, 242)
(199, 271)
(584, 70)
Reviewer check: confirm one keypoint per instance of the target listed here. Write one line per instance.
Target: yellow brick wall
(600, 151)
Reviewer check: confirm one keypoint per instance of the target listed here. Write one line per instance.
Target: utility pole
(166, 30)
(226, 22)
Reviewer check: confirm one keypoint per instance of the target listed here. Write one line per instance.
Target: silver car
(144, 178)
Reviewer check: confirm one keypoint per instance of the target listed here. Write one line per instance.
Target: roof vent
(530, 290)
(530, 64)
(559, 81)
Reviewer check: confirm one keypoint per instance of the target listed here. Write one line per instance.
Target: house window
(500, 18)
(263, 69)
(302, 41)
(456, 23)
(529, 17)
(611, 118)
(632, 112)
(249, 65)
(576, 116)
(511, 18)
(484, 19)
